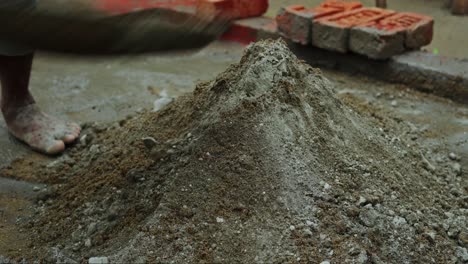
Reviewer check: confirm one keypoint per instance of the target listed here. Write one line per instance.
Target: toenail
(57, 147)
(69, 138)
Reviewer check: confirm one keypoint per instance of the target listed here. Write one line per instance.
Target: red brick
(389, 36)
(295, 22)
(376, 43)
(235, 9)
(332, 32)
(419, 29)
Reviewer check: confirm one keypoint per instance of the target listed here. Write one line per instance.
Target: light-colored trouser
(9, 48)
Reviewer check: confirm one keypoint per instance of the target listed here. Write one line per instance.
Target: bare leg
(23, 117)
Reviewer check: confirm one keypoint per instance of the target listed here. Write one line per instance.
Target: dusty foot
(40, 131)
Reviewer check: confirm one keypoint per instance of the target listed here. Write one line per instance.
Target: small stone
(354, 251)
(83, 140)
(219, 220)
(399, 221)
(369, 217)
(89, 138)
(457, 168)
(427, 165)
(94, 148)
(149, 142)
(453, 156)
(133, 175)
(394, 103)
(36, 188)
(76, 247)
(326, 186)
(87, 242)
(430, 236)
(98, 260)
(44, 194)
(292, 228)
(449, 215)
(307, 232)
(91, 228)
(463, 238)
(362, 201)
(362, 258)
(462, 254)
(54, 163)
(452, 233)
(99, 128)
(325, 262)
(161, 103)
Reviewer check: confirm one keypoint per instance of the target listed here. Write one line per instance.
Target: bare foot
(40, 131)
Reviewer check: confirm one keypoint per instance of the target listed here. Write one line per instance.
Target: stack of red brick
(348, 26)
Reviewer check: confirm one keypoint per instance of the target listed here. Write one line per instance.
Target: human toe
(71, 134)
(55, 147)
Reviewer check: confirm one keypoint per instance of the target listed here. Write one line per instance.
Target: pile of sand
(262, 164)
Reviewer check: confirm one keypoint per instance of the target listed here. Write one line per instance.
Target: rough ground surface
(263, 164)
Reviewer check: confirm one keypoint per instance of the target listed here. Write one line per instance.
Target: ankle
(9, 107)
